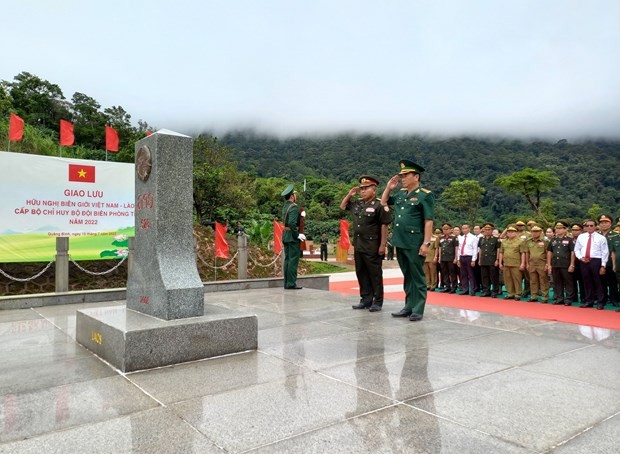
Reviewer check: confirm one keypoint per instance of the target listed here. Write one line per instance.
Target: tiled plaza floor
(325, 379)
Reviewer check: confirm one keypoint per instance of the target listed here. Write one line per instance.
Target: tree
(464, 195)
(89, 121)
(530, 183)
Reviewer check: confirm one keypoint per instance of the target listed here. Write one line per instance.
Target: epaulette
(427, 191)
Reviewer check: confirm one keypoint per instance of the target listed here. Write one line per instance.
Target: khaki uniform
(430, 268)
(537, 258)
(524, 236)
(511, 251)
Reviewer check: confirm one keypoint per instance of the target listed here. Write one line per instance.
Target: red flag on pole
(66, 133)
(16, 128)
(277, 236)
(221, 245)
(345, 241)
(111, 139)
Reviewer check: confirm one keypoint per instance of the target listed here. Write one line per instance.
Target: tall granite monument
(163, 321)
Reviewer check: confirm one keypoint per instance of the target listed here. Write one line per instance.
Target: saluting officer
(561, 263)
(536, 259)
(291, 238)
(370, 228)
(414, 209)
(488, 259)
(447, 258)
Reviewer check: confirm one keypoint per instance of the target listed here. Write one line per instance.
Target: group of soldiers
(529, 261)
(581, 266)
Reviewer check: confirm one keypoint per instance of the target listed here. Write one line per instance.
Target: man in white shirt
(467, 254)
(592, 251)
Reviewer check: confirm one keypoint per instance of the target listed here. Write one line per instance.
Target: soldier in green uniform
(370, 226)
(614, 251)
(447, 258)
(609, 281)
(291, 238)
(561, 263)
(414, 209)
(512, 262)
(536, 259)
(488, 259)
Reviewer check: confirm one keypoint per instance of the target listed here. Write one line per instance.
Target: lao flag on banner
(277, 236)
(345, 241)
(81, 174)
(221, 245)
(66, 133)
(111, 139)
(16, 128)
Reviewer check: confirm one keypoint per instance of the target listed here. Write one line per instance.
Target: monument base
(131, 341)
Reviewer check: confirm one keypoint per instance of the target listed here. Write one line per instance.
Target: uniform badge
(565, 242)
(540, 244)
(413, 199)
(370, 210)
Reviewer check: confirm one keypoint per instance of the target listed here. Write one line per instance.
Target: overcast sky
(521, 68)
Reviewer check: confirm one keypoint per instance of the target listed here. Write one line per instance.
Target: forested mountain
(588, 172)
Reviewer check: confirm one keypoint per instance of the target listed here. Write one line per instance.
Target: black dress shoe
(586, 305)
(453, 291)
(557, 303)
(568, 303)
(361, 306)
(375, 308)
(532, 300)
(485, 295)
(293, 288)
(493, 295)
(415, 317)
(600, 306)
(402, 313)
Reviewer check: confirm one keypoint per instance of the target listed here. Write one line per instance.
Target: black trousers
(592, 282)
(468, 278)
(490, 279)
(562, 283)
(369, 271)
(610, 284)
(324, 252)
(448, 275)
(578, 282)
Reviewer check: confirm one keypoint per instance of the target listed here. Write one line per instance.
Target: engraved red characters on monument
(144, 299)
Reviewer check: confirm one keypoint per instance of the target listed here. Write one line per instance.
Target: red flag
(277, 236)
(345, 241)
(221, 245)
(81, 174)
(66, 133)
(16, 128)
(111, 139)
(148, 133)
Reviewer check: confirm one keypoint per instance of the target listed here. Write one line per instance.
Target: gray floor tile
(32, 413)
(261, 414)
(298, 331)
(402, 376)
(202, 378)
(601, 439)
(532, 410)
(12, 315)
(149, 431)
(396, 429)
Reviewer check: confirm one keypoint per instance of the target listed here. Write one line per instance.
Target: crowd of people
(580, 261)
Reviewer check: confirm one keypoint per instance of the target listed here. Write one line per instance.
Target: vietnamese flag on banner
(277, 236)
(345, 241)
(221, 245)
(111, 139)
(66, 133)
(81, 174)
(16, 128)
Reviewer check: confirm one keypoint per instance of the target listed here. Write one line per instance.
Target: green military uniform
(537, 259)
(488, 247)
(411, 210)
(510, 252)
(615, 248)
(609, 280)
(447, 255)
(561, 249)
(368, 219)
(430, 269)
(290, 240)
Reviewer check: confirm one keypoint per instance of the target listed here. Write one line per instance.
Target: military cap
(576, 226)
(511, 228)
(366, 180)
(618, 221)
(561, 223)
(288, 191)
(407, 166)
(531, 222)
(446, 224)
(488, 226)
(604, 217)
(536, 228)
(519, 223)
(437, 231)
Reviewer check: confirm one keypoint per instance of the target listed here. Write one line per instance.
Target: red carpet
(573, 314)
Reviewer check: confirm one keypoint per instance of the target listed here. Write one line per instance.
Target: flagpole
(60, 150)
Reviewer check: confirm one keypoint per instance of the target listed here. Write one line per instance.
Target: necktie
(589, 246)
(463, 246)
